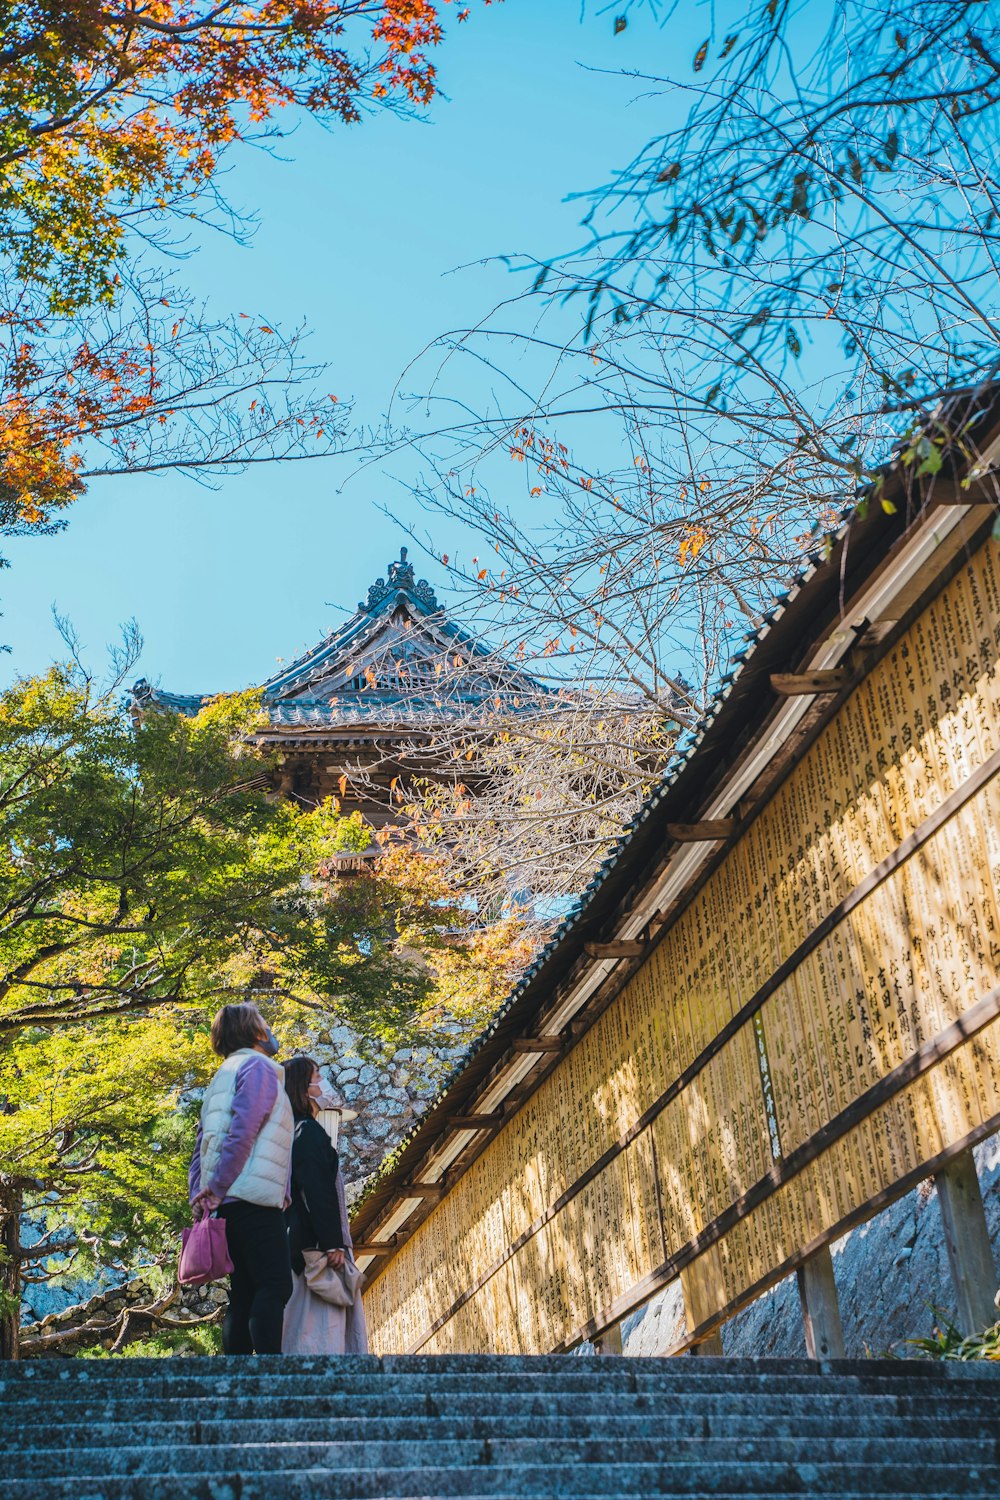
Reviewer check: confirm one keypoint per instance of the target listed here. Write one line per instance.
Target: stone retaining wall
(100, 1322)
(389, 1087)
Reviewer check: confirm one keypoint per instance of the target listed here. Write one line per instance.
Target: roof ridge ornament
(400, 579)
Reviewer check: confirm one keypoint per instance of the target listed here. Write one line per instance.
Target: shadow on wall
(890, 1273)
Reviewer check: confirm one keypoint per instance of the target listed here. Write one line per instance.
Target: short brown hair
(298, 1077)
(236, 1026)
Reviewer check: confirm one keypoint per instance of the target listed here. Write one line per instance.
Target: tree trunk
(11, 1203)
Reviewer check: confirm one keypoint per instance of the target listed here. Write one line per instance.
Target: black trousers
(261, 1280)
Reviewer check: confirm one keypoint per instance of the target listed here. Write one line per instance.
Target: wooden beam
(619, 948)
(474, 1122)
(375, 1247)
(538, 1044)
(945, 489)
(794, 684)
(433, 1192)
(704, 832)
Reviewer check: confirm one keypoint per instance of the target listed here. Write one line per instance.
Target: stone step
(58, 1492)
(899, 1404)
(882, 1423)
(355, 1456)
(410, 1365)
(926, 1482)
(359, 1429)
(272, 1380)
(610, 1372)
(408, 1368)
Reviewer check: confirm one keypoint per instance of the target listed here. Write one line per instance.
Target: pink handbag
(204, 1252)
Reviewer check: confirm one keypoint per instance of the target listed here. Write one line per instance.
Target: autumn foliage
(150, 383)
(113, 123)
(112, 110)
(48, 411)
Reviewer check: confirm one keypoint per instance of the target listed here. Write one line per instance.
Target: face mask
(270, 1043)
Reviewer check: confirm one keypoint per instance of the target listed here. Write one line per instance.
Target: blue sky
(381, 237)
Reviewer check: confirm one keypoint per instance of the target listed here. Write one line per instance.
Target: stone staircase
(304, 1429)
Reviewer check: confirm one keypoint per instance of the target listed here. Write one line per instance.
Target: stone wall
(389, 1087)
(115, 1317)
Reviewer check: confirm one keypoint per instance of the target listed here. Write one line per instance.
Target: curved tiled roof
(401, 615)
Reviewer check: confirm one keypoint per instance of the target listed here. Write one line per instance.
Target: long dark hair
(298, 1077)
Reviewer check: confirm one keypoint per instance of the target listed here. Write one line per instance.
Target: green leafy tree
(94, 1141)
(148, 875)
(144, 863)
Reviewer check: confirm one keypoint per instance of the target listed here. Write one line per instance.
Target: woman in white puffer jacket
(241, 1168)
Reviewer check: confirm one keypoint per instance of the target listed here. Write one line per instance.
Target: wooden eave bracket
(797, 684)
(617, 948)
(474, 1122)
(538, 1044)
(946, 489)
(707, 831)
(432, 1192)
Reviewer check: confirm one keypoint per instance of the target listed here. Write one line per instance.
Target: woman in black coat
(314, 1218)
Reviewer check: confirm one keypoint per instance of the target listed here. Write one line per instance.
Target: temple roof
(397, 661)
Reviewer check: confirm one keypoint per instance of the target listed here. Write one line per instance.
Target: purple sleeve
(253, 1099)
(194, 1170)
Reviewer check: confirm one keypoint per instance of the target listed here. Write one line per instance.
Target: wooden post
(967, 1238)
(610, 1341)
(820, 1308)
(704, 1289)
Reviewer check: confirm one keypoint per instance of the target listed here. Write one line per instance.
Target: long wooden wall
(816, 1031)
